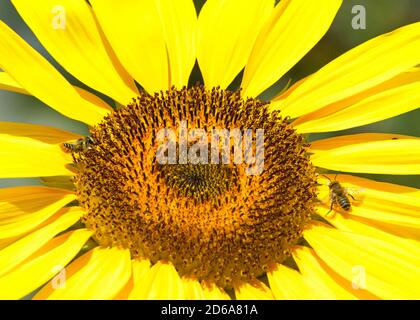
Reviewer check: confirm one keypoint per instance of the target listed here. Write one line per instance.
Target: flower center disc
(213, 221)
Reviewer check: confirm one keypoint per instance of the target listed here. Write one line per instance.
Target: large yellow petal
(385, 213)
(336, 142)
(10, 84)
(396, 206)
(140, 269)
(315, 272)
(161, 282)
(382, 267)
(193, 289)
(42, 265)
(253, 291)
(359, 69)
(164, 283)
(98, 274)
(8, 241)
(383, 196)
(179, 22)
(290, 32)
(134, 30)
(93, 100)
(395, 229)
(289, 284)
(226, 34)
(34, 73)
(213, 292)
(361, 153)
(28, 150)
(134, 290)
(345, 222)
(75, 42)
(24, 208)
(15, 253)
(389, 99)
(41, 133)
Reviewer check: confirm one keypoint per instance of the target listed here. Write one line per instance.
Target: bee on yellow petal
(339, 196)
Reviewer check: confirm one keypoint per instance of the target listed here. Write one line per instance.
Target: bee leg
(354, 199)
(326, 215)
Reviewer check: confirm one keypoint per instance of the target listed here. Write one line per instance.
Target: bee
(339, 195)
(79, 145)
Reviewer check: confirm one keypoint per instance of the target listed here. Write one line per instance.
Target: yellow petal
(93, 100)
(389, 99)
(8, 241)
(179, 22)
(315, 272)
(336, 142)
(346, 223)
(384, 198)
(98, 274)
(359, 69)
(395, 229)
(193, 289)
(382, 267)
(161, 282)
(42, 265)
(364, 154)
(225, 38)
(75, 42)
(390, 197)
(290, 32)
(28, 150)
(134, 31)
(15, 253)
(213, 292)
(125, 290)
(384, 213)
(9, 84)
(24, 208)
(41, 133)
(140, 269)
(165, 283)
(387, 206)
(253, 291)
(34, 73)
(288, 284)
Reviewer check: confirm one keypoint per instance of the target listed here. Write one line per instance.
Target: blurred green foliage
(382, 16)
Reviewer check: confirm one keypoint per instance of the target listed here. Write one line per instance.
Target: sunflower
(112, 223)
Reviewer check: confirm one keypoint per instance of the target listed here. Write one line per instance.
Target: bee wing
(326, 198)
(355, 193)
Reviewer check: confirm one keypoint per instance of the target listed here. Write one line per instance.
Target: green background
(381, 15)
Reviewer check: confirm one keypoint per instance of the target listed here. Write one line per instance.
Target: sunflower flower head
(211, 221)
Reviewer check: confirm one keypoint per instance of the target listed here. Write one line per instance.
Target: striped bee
(79, 145)
(339, 196)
